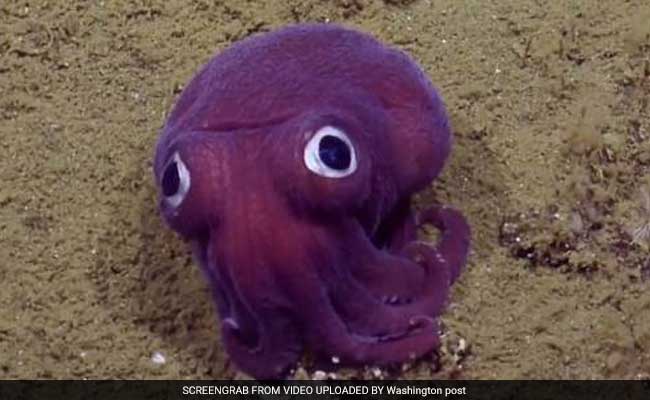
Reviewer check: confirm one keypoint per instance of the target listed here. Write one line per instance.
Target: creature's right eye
(330, 153)
(175, 182)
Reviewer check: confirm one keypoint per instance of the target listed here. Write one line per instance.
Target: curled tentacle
(363, 308)
(363, 313)
(453, 245)
(356, 349)
(396, 279)
(392, 279)
(345, 335)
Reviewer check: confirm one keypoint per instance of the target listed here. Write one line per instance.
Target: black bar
(451, 390)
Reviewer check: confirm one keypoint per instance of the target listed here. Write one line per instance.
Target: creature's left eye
(330, 153)
(175, 182)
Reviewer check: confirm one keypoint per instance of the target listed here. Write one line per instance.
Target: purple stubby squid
(289, 162)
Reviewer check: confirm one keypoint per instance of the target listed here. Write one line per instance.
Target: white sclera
(184, 182)
(312, 158)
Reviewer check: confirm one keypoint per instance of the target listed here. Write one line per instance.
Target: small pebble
(158, 358)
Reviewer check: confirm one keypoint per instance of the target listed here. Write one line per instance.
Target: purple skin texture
(301, 255)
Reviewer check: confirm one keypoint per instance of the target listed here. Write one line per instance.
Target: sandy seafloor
(549, 103)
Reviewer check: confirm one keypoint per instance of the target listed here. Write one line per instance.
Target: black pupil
(171, 181)
(334, 152)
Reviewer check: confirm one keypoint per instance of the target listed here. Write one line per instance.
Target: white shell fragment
(158, 358)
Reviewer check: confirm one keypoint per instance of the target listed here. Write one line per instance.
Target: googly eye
(175, 182)
(330, 153)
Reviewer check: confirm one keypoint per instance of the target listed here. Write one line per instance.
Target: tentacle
(384, 272)
(398, 280)
(453, 245)
(258, 329)
(366, 313)
(360, 298)
(330, 337)
(331, 334)
(388, 275)
(390, 278)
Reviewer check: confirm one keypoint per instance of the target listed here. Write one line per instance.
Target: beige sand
(549, 101)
